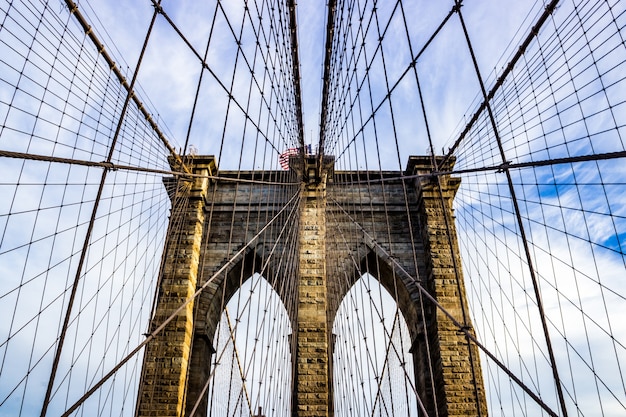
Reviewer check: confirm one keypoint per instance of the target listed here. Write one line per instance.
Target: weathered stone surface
(312, 348)
(166, 358)
(459, 389)
(400, 222)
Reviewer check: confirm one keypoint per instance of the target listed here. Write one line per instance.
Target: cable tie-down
(503, 167)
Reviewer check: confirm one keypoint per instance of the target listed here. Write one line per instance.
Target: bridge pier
(313, 348)
(165, 370)
(454, 362)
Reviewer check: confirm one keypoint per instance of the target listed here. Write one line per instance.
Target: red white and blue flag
(283, 159)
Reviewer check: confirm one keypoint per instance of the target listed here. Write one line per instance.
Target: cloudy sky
(575, 214)
(169, 74)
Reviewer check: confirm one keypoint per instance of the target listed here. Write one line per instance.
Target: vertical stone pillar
(312, 379)
(166, 359)
(454, 364)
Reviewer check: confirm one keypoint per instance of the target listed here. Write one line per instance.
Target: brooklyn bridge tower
(403, 236)
(392, 208)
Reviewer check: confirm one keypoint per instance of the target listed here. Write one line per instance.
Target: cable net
(103, 108)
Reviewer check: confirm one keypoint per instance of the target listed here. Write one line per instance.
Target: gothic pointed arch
(256, 261)
(371, 330)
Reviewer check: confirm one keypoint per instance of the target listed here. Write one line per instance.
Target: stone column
(312, 373)
(166, 359)
(456, 392)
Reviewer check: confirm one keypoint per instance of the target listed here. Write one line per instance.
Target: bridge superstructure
(340, 275)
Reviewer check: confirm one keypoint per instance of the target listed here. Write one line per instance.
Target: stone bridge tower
(177, 361)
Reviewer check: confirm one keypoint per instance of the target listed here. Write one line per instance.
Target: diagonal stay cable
(330, 30)
(231, 335)
(295, 63)
(199, 85)
(379, 388)
(398, 81)
(370, 241)
(372, 21)
(267, 60)
(91, 226)
(279, 65)
(162, 326)
(520, 224)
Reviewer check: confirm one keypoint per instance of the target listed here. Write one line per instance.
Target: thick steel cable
(544, 200)
(199, 85)
(417, 56)
(223, 86)
(338, 47)
(73, 7)
(330, 29)
(529, 199)
(365, 77)
(295, 64)
(406, 199)
(549, 9)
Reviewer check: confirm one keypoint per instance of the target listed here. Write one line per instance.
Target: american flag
(283, 159)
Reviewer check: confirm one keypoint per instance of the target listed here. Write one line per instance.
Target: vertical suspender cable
(295, 63)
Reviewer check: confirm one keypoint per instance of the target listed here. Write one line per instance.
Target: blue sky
(574, 215)
(170, 72)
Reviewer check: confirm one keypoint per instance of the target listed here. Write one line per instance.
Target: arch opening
(251, 368)
(372, 375)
